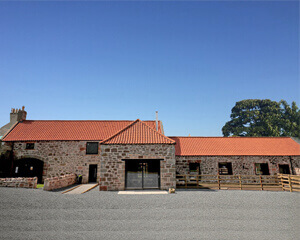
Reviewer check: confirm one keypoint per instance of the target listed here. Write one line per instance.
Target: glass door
(134, 174)
(151, 174)
(142, 174)
(93, 173)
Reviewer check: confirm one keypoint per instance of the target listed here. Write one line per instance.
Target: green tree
(256, 117)
(290, 120)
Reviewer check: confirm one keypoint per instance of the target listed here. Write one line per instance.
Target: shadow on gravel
(64, 188)
(195, 190)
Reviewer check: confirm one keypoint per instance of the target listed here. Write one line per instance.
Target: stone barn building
(123, 155)
(237, 155)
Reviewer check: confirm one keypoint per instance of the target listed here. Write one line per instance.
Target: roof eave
(237, 155)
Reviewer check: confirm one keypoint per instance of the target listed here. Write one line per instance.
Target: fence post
(197, 179)
(219, 184)
(185, 180)
(261, 185)
(290, 183)
(281, 181)
(240, 180)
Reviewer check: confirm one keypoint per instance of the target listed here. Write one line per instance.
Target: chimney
(17, 115)
(156, 113)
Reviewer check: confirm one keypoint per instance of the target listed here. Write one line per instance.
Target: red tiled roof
(39, 130)
(220, 146)
(138, 132)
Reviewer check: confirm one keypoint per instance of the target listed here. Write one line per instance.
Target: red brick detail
(103, 188)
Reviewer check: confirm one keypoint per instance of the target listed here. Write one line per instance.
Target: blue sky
(191, 61)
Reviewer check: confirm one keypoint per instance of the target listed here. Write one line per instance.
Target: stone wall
(19, 182)
(112, 169)
(59, 182)
(296, 165)
(66, 157)
(5, 147)
(244, 165)
(60, 157)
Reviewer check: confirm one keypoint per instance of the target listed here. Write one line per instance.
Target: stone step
(82, 188)
(143, 192)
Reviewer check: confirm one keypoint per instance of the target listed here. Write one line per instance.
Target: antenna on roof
(156, 113)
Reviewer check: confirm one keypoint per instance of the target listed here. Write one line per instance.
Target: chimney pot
(17, 115)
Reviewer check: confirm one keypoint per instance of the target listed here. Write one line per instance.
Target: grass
(40, 186)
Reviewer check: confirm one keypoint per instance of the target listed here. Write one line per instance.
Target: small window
(261, 169)
(194, 168)
(284, 169)
(225, 168)
(92, 148)
(29, 145)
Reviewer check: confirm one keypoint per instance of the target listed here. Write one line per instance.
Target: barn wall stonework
(4, 147)
(244, 165)
(112, 169)
(296, 165)
(60, 157)
(66, 157)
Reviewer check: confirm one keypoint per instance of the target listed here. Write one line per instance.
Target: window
(261, 169)
(194, 168)
(284, 169)
(29, 145)
(92, 148)
(225, 168)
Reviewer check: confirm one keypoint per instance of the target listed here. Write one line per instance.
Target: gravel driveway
(37, 214)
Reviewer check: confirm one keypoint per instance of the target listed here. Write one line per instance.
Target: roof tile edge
(173, 142)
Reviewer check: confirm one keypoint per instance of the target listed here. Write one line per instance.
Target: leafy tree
(256, 117)
(290, 120)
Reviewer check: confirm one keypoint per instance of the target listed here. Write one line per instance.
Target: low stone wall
(18, 182)
(59, 182)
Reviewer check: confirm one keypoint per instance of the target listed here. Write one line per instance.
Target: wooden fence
(289, 182)
(239, 182)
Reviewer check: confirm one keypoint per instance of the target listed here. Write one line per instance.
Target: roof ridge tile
(66, 130)
(138, 139)
(239, 146)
